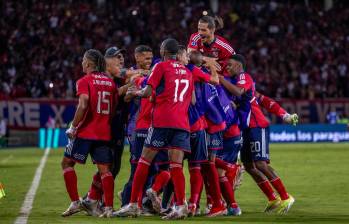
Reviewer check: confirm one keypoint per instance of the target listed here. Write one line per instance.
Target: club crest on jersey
(193, 43)
(215, 52)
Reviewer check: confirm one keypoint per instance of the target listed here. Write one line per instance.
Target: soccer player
(173, 87)
(212, 46)
(199, 153)
(90, 130)
(141, 110)
(90, 202)
(216, 49)
(255, 151)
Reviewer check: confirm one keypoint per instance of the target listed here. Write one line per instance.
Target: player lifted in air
(97, 99)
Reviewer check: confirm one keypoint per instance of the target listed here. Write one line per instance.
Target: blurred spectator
(332, 117)
(292, 50)
(3, 132)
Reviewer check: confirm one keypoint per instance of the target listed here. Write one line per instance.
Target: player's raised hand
(291, 119)
(71, 132)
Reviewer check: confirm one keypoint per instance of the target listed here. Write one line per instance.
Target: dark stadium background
(295, 49)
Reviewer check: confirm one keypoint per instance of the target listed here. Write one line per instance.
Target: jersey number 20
(103, 98)
(184, 90)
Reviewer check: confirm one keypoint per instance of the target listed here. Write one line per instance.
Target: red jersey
(145, 109)
(257, 118)
(219, 48)
(173, 85)
(103, 97)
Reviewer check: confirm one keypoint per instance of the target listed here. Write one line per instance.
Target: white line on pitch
(29, 198)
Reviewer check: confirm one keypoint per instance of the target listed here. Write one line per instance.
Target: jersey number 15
(103, 98)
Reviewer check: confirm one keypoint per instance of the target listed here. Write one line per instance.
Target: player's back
(102, 94)
(173, 91)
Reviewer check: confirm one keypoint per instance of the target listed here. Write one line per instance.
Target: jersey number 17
(184, 90)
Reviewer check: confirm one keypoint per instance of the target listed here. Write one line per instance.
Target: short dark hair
(97, 59)
(240, 58)
(143, 48)
(171, 46)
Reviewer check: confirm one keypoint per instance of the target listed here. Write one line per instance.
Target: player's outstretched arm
(233, 89)
(273, 107)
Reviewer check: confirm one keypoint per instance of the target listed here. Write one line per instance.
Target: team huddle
(197, 103)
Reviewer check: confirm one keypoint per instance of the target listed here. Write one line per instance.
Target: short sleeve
(156, 75)
(82, 87)
(193, 41)
(244, 81)
(200, 76)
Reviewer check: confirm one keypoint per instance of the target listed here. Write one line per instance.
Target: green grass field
(315, 174)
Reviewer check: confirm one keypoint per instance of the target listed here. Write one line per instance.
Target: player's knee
(66, 162)
(262, 166)
(102, 168)
(148, 154)
(176, 156)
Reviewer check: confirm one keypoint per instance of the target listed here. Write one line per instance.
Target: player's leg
(179, 142)
(229, 154)
(136, 147)
(76, 151)
(160, 180)
(117, 143)
(215, 143)
(156, 139)
(263, 166)
(101, 154)
(250, 153)
(198, 155)
(167, 199)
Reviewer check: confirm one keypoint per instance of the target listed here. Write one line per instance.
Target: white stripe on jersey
(196, 37)
(225, 45)
(263, 143)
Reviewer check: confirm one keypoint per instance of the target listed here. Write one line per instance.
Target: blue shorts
(231, 149)
(136, 144)
(168, 138)
(79, 148)
(255, 145)
(198, 146)
(215, 141)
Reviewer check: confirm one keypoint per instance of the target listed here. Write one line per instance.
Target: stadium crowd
(292, 50)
